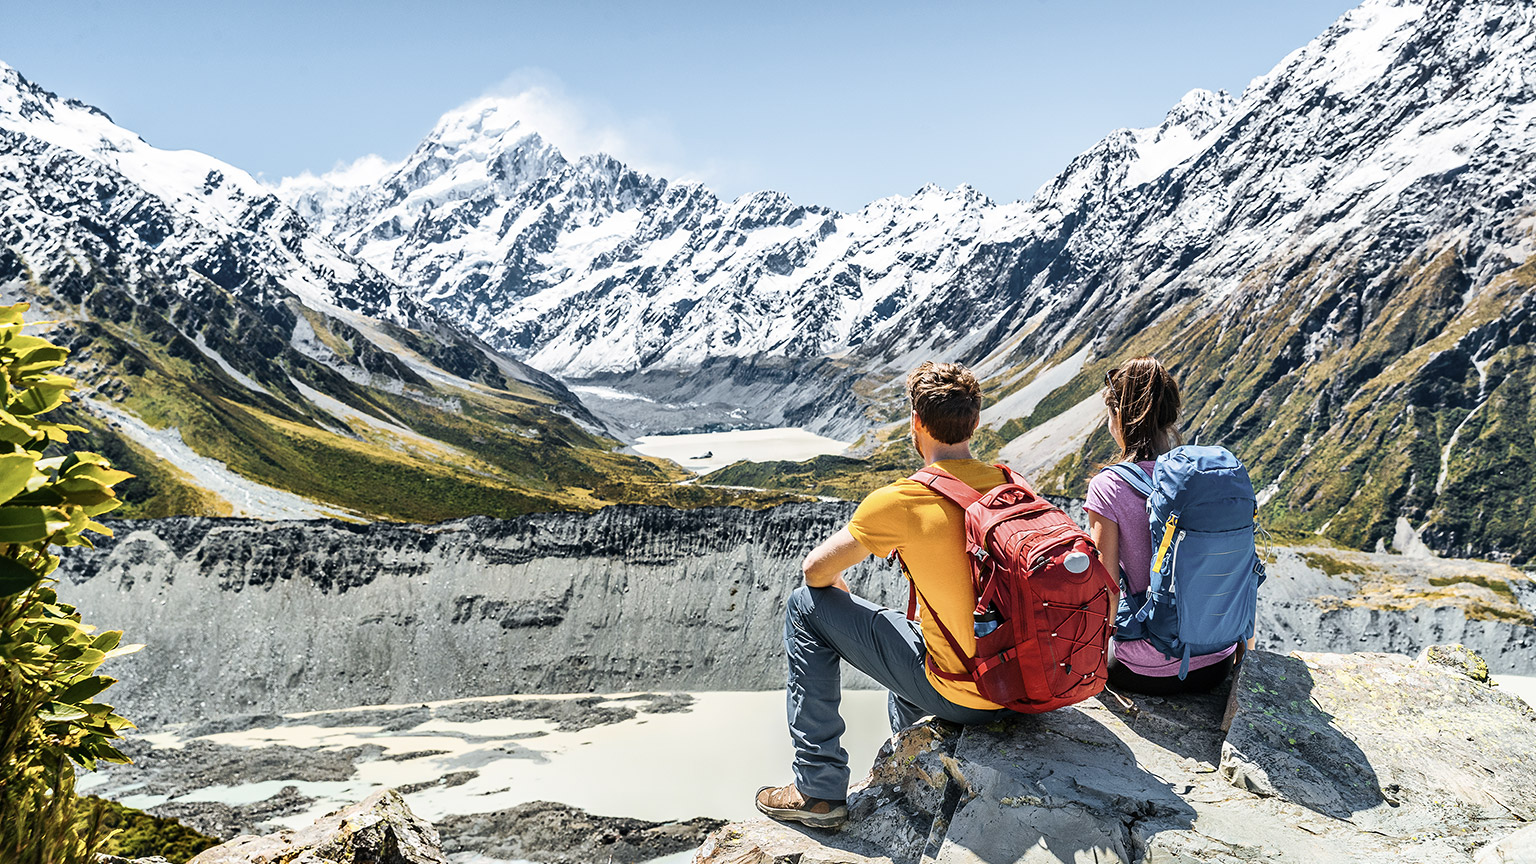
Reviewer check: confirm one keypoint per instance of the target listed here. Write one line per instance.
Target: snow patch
(1041, 448)
(247, 497)
(244, 380)
(1405, 540)
(1022, 401)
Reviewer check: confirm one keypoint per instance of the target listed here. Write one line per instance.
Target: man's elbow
(814, 574)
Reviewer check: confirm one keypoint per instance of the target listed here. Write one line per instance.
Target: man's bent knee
(801, 605)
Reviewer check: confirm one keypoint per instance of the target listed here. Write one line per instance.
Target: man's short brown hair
(947, 399)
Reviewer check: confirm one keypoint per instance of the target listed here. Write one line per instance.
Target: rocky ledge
(381, 829)
(1313, 758)
(1308, 758)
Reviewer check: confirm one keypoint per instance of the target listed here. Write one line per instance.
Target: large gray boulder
(1389, 743)
(1332, 758)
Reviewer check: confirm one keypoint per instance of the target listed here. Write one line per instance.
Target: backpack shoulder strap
(948, 485)
(1132, 474)
(967, 661)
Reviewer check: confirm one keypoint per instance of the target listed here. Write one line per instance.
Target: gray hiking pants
(825, 625)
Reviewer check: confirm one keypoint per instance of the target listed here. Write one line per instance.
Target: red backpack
(1045, 604)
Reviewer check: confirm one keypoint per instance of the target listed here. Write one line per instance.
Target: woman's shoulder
(1104, 491)
(1106, 479)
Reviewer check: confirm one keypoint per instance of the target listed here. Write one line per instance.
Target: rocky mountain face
(248, 616)
(1335, 262)
(238, 362)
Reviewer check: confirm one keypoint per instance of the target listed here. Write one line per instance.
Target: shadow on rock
(1188, 724)
(1283, 743)
(1059, 781)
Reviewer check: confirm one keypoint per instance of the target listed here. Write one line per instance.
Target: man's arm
(824, 567)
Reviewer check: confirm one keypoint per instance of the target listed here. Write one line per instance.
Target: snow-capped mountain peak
(184, 205)
(587, 268)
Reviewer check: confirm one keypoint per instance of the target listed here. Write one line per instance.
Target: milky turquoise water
(707, 451)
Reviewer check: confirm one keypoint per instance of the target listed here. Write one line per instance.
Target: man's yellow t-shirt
(929, 532)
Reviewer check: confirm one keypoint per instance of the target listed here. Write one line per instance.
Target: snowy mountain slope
(206, 215)
(584, 267)
(227, 358)
(1285, 248)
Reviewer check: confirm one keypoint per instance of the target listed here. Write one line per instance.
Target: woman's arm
(1106, 536)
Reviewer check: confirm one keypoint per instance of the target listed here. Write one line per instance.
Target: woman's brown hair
(1143, 403)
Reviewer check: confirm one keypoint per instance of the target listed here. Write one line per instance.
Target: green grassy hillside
(395, 423)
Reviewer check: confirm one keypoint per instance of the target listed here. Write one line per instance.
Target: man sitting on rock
(825, 623)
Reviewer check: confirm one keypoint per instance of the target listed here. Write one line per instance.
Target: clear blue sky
(832, 103)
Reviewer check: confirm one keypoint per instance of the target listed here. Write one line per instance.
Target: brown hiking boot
(786, 804)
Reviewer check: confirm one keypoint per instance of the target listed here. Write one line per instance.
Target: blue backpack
(1206, 570)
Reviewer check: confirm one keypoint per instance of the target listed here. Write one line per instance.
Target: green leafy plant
(50, 720)
(139, 835)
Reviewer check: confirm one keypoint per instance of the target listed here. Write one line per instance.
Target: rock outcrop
(1330, 758)
(243, 616)
(558, 834)
(379, 829)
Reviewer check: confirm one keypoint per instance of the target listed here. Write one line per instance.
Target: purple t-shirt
(1115, 500)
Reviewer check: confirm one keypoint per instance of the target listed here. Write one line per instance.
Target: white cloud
(577, 126)
(360, 172)
(532, 100)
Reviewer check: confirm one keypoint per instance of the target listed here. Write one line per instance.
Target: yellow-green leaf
(15, 471)
(14, 430)
(107, 506)
(16, 577)
(86, 688)
(39, 399)
(12, 315)
(103, 475)
(55, 712)
(124, 650)
(107, 641)
(83, 490)
(44, 356)
(19, 346)
(30, 524)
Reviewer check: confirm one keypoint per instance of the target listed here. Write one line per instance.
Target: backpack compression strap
(1132, 474)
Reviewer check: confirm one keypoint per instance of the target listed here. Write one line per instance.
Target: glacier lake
(706, 754)
(706, 451)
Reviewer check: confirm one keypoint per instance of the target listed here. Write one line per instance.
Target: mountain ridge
(1303, 255)
(238, 362)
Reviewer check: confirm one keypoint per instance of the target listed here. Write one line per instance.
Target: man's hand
(824, 567)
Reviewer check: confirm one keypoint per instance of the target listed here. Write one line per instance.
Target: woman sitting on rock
(1143, 403)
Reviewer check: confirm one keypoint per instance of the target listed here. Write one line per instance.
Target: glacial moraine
(244, 616)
